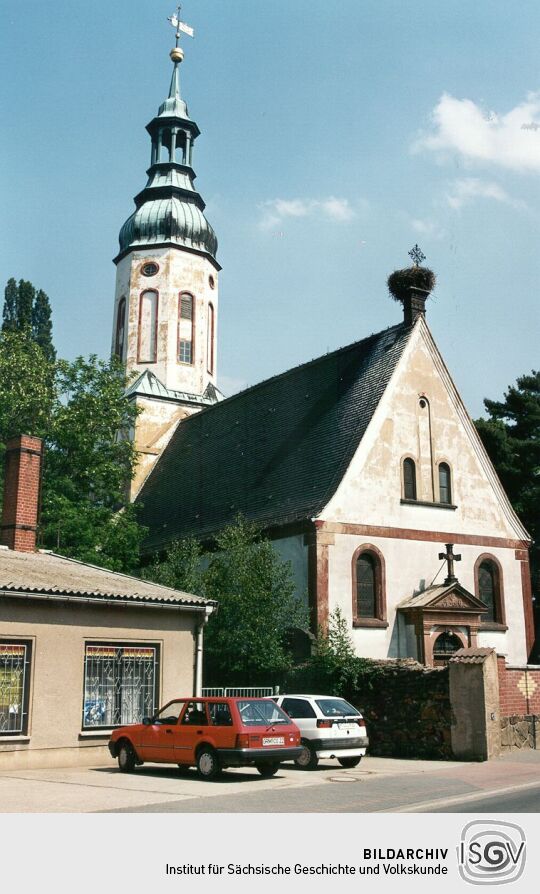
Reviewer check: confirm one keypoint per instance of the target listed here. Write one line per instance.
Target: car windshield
(260, 712)
(335, 707)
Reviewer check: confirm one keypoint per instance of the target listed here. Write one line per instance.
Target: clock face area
(150, 268)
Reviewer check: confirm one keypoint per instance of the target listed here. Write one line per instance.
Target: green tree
(511, 436)
(27, 392)
(246, 641)
(9, 312)
(25, 305)
(29, 311)
(88, 466)
(42, 325)
(182, 568)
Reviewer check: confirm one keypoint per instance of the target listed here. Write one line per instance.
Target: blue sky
(334, 137)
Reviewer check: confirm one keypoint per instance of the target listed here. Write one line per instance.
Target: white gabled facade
(422, 417)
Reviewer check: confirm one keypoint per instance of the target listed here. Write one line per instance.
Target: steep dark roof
(275, 452)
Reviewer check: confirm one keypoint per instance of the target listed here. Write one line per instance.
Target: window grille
(120, 684)
(14, 680)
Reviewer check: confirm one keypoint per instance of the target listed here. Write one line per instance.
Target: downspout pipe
(199, 644)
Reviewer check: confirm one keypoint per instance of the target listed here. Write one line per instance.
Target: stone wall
(520, 731)
(519, 689)
(407, 710)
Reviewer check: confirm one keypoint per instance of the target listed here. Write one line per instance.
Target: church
(363, 465)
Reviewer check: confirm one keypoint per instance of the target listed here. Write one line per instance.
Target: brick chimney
(22, 480)
(414, 305)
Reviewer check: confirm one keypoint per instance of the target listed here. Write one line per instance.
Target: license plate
(347, 726)
(273, 740)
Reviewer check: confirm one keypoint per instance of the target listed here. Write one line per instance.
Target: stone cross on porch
(450, 559)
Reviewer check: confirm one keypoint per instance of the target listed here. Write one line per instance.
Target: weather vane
(180, 26)
(417, 255)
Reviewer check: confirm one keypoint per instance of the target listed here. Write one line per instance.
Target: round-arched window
(487, 584)
(445, 646)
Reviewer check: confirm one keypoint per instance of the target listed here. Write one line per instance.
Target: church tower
(166, 302)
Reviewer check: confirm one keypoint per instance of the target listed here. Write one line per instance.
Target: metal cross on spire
(180, 26)
(417, 255)
(450, 559)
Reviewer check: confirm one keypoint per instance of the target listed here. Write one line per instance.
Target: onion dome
(169, 210)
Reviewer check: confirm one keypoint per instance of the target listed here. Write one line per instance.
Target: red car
(211, 734)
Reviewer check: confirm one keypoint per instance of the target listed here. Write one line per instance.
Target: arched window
(445, 484)
(488, 579)
(444, 647)
(409, 479)
(186, 328)
(148, 318)
(369, 598)
(210, 347)
(120, 329)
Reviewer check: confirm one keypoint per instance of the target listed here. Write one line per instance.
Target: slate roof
(52, 575)
(275, 452)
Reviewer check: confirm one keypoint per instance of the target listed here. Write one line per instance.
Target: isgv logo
(491, 852)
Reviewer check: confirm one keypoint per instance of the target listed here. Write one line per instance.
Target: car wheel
(208, 763)
(349, 762)
(126, 758)
(267, 769)
(308, 759)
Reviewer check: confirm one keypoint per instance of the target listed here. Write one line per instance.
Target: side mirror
(147, 721)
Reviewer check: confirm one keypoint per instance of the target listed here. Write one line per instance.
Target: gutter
(99, 600)
(198, 677)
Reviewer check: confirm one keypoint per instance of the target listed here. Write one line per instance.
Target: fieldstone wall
(407, 709)
(519, 688)
(520, 731)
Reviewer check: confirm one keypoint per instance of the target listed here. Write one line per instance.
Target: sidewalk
(387, 784)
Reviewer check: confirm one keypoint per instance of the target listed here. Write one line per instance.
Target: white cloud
(275, 211)
(510, 141)
(428, 228)
(463, 192)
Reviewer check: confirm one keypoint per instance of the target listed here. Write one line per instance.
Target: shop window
(15, 663)
(120, 684)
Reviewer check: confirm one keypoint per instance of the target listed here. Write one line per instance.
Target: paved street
(511, 783)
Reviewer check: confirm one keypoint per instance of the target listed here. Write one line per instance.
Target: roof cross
(417, 255)
(450, 558)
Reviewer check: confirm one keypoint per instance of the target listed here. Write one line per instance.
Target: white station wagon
(329, 726)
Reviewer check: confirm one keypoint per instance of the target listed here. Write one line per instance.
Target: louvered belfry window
(366, 592)
(120, 329)
(185, 329)
(409, 479)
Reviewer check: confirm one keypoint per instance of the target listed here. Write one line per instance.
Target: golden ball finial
(177, 54)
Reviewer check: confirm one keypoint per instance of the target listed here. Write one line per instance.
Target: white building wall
(410, 567)
(370, 495)
(179, 271)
